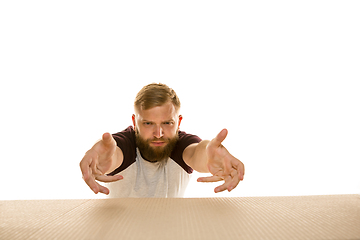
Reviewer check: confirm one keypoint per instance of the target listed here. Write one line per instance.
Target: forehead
(160, 113)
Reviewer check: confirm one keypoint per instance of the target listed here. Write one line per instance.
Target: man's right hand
(101, 158)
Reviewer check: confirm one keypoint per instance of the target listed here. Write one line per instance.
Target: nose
(158, 132)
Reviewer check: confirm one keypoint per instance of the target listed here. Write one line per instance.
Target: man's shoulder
(187, 139)
(129, 131)
(184, 141)
(127, 136)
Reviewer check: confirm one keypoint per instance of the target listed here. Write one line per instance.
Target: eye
(168, 123)
(147, 123)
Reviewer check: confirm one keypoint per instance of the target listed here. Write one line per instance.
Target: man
(153, 158)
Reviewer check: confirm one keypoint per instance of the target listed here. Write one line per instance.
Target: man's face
(157, 131)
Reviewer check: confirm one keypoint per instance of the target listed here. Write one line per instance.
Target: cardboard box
(303, 217)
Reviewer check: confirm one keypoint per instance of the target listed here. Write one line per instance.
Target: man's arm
(212, 156)
(194, 155)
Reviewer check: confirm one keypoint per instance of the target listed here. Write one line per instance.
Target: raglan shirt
(143, 178)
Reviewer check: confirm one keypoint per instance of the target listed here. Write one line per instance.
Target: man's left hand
(222, 165)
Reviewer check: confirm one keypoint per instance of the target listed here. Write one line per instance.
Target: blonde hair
(155, 95)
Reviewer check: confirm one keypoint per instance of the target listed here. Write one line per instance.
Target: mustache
(159, 140)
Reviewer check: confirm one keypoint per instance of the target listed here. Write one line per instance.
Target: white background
(282, 77)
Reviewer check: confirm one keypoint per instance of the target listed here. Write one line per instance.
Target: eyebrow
(170, 120)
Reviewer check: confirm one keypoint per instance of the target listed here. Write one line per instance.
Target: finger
(240, 167)
(220, 137)
(224, 186)
(228, 164)
(105, 178)
(103, 190)
(93, 185)
(94, 169)
(108, 139)
(84, 166)
(241, 174)
(87, 173)
(210, 179)
(234, 180)
(220, 188)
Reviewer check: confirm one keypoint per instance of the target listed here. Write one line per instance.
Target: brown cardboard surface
(303, 217)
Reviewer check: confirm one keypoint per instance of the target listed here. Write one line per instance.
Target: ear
(180, 119)
(133, 120)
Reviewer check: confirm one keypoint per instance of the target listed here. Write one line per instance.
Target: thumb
(220, 137)
(107, 139)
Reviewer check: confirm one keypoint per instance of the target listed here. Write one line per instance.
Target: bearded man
(153, 158)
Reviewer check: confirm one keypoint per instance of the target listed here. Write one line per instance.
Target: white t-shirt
(142, 178)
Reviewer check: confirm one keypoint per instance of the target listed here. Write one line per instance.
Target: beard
(155, 154)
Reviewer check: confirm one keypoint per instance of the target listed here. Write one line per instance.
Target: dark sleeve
(125, 140)
(184, 141)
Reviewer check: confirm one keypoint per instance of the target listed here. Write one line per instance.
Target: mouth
(157, 143)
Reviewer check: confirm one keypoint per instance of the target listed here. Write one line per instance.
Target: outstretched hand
(97, 161)
(222, 165)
